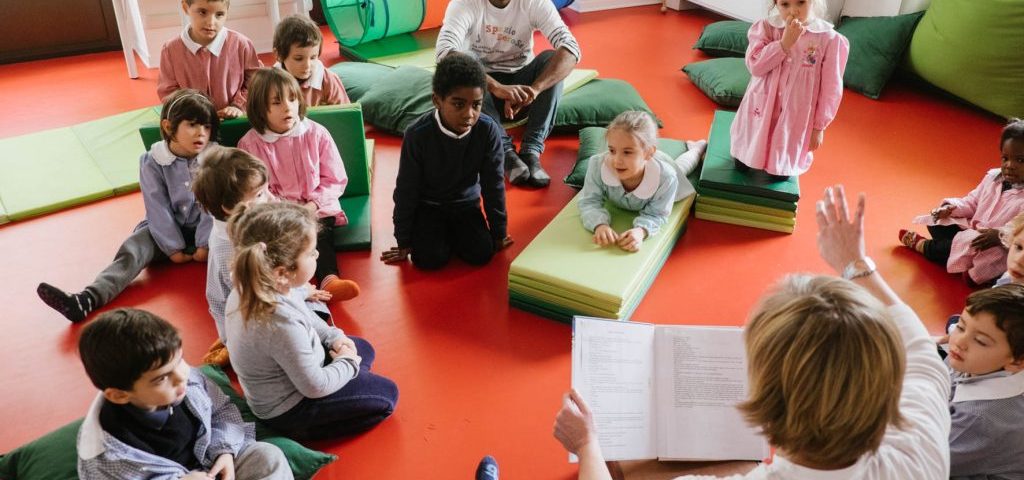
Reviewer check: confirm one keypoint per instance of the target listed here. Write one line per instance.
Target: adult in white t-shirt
(500, 34)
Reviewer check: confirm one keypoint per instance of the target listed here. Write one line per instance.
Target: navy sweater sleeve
(407, 189)
(492, 180)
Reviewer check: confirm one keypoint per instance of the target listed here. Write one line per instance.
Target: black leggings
(327, 261)
(937, 249)
(441, 231)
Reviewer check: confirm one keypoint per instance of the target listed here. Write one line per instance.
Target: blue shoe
(488, 469)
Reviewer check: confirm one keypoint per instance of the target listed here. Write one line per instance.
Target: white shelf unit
(145, 25)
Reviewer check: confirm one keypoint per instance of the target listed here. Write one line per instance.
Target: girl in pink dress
(966, 231)
(796, 60)
(304, 165)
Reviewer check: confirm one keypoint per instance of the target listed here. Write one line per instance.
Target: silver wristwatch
(861, 267)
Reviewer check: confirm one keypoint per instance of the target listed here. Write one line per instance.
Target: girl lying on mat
(635, 176)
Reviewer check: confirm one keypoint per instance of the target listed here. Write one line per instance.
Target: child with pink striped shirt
(965, 231)
(304, 165)
(796, 61)
(210, 58)
(297, 42)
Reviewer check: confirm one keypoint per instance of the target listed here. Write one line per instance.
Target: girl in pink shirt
(297, 43)
(796, 60)
(965, 231)
(304, 164)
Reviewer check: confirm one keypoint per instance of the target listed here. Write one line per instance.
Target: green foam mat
(48, 171)
(743, 214)
(719, 171)
(415, 48)
(724, 203)
(744, 222)
(3, 214)
(356, 235)
(745, 199)
(115, 146)
(563, 260)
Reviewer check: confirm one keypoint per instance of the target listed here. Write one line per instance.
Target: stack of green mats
(751, 199)
(562, 272)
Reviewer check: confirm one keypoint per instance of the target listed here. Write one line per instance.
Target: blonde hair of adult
(267, 237)
(638, 124)
(826, 370)
(265, 83)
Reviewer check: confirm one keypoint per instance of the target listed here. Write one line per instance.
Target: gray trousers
(541, 111)
(135, 254)
(262, 460)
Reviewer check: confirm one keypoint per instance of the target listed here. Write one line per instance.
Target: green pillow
(877, 45)
(597, 103)
(723, 80)
(304, 461)
(972, 49)
(727, 38)
(358, 77)
(592, 142)
(398, 99)
(54, 456)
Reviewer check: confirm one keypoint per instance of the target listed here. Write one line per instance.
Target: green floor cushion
(719, 170)
(48, 171)
(723, 80)
(745, 199)
(973, 50)
(592, 142)
(304, 462)
(744, 222)
(597, 103)
(387, 49)
(877, 45)
(398, 99)
(358, 77)
(114, 144)
(563, 268)
(53, 456)
(727, 38)
(710, 200)
(742, 214)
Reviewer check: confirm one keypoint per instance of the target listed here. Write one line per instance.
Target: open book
(667, 392)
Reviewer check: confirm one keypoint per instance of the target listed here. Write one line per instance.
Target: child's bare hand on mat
(224, 467)
(986, 239)
(574, 424)
(229, 112)
(317, 295)
(395, 255)
(631, 239)
(181, 257)
(817, 138)
(201, 254)
(604, 236)
(944, 211)
(503, 243)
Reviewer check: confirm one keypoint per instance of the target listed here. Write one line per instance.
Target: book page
(701, 373)
(613, 369)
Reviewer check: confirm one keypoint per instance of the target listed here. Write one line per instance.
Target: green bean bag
(727, 38)
(723, 80)
(974, 50)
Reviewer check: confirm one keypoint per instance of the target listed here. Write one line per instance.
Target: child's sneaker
(339, 289)
(488, 469)
(217, 355)
(74, 306)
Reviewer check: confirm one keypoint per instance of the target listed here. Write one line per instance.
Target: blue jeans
(360, 405)
(542, 110)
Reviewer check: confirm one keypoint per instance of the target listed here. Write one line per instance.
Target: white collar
(994, 386)
(163, 155)
(814, 24)
(316, 77)
(299, 129)
(648, 185)
(437, 117)
(214, 47)
(90, 438)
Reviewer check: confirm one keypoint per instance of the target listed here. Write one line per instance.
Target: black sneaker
(488, 469)
(75, 307)
(538, 177)
(518, 172)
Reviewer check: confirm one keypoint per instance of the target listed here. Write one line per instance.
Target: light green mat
(47, 171)
(3, 214)
(415, 48)
(744, 222)
(724, 203)
(745, 199)
(563, 265)
(742, 214)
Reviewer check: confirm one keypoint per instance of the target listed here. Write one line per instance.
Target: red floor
(475, 376)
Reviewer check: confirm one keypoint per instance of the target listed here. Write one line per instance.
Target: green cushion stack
(345, 123)
(751, 198)
(562, 272)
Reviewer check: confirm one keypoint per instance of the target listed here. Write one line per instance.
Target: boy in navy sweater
(451, 157)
